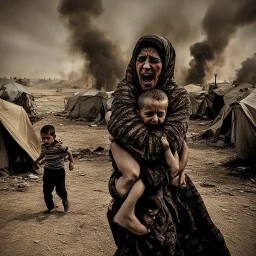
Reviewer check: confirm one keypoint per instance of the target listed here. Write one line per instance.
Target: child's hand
(182, 179)
(165, 143)
(36, 166)
(71, 166)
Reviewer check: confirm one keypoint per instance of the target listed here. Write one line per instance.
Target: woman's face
(148, 67)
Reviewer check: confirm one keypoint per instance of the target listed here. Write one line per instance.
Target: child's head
(152, 106)
(48, 135)
(148, 209)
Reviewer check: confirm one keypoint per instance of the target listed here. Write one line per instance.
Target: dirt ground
(83, 230)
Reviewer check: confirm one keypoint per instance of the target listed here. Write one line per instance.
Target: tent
(90, 105)
(19, 144)
(197, 95)
(18, 94)
(208, 103)
(236, 121)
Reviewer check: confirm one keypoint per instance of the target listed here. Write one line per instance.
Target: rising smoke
(222, 20)
(103, 59)
(247, 72)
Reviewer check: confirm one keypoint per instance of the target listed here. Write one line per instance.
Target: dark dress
(183, 225)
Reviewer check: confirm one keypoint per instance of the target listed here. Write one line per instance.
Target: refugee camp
(128, 128)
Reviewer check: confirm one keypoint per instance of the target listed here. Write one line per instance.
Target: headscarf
(167, 55)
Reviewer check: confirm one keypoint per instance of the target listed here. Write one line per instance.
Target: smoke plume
(247, 73)
(103, 59)
(222, 20)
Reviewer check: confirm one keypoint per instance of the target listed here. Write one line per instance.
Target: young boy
(53, 153)
(152, 108)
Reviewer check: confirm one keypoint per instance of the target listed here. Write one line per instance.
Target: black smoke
(220, 24)
(103, 59)
(247, 72)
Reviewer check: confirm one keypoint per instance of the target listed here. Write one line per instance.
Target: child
(152, 108)
(53, 153)
(147, 209)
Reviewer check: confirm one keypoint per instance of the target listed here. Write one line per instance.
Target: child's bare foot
(165, 143)
(131, 223)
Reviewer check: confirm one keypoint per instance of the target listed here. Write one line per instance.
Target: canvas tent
(208, 103)
(237, 121)
(197, 95)
(90, 105)
(19, 144)
(18, 94)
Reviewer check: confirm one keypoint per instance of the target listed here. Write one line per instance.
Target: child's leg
(179, 180)
(48, 187)
(128, 166)
(176, 181)
(61, 188)
(125, 217)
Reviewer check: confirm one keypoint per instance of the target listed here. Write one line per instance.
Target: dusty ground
(25, 230)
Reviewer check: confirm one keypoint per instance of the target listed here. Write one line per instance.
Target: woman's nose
(146, 64)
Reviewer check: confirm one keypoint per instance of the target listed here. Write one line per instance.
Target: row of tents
(233, 110)
(236, 120)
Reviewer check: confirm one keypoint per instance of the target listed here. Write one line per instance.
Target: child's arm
(107, 117)
(37, 161)
(171, 160)
(71, 160)
(184, 156)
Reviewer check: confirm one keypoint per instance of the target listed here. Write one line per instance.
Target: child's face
(149, 216)
(153, 111)
(47, 139)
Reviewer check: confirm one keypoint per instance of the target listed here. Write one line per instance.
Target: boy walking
(53, 152)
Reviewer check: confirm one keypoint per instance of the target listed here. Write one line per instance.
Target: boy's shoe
(50, 210)
(66, 205)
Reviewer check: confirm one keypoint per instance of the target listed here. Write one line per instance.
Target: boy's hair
(146, 202)
(154, 94)
(152, 202)
(48, 129)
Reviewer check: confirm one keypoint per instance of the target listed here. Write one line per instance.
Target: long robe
(183, 225)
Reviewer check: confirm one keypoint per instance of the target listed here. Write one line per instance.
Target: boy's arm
(37, 161)
(71, 160)
(184, 156)
(107, 116)
(171, 160)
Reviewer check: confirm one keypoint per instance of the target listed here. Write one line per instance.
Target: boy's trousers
(54, 178)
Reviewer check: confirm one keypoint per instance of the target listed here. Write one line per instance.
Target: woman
(182, 225)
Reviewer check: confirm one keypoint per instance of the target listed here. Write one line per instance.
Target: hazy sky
(35, 42)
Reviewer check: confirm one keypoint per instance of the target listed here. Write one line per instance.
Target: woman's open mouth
(147, 78)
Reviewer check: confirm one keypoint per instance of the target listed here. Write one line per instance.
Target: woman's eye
(141, 59)
(154, 61)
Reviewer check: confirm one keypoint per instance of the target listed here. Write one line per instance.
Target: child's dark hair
(154, 94)
(151, 202)
(48, 129)
(146, 202)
